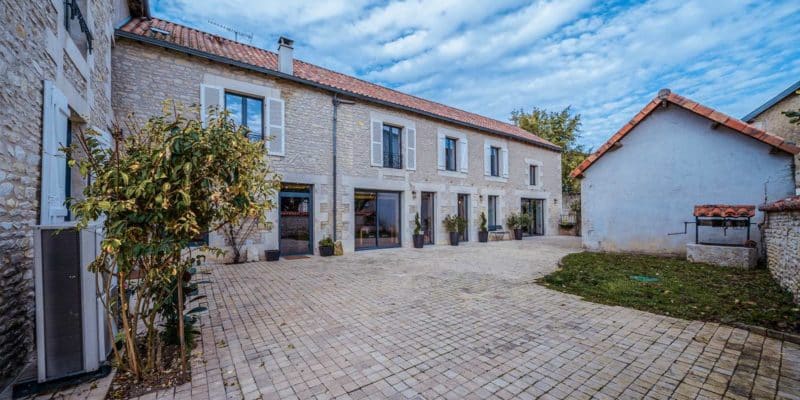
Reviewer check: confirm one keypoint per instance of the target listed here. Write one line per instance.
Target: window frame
(386, 145)
(492, 212)
(244, 98)
(494, 161)
(454, 141)
(533, 170)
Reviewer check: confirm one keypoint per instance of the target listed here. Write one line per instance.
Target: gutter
(333, 89)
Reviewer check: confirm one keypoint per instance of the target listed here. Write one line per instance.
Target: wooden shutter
(276, 126)
(487, 159)
(411, 148)
(463, 155)
(441, 152)
(504, 160)
(54, 161)
(376, 149)
(211, 101)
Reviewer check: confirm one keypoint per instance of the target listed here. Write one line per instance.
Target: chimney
(285, 57)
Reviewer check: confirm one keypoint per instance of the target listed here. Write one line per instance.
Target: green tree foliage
(155, 189)
(561, 128)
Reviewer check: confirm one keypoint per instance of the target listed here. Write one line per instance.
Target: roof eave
(771, 102)
(225, 60)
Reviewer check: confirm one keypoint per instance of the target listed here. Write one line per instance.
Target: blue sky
(605, 59)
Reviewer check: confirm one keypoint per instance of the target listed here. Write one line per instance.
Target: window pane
(495, 153)
(233, 104)
(450, 154)
(388, 219)
(255, 118)
(366, 219)
(492, 210)
(533, 175)
(391, 147)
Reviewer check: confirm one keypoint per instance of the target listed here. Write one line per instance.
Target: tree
(156, 188)
(561, 128)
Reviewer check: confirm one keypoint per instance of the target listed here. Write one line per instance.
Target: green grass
(683, 290)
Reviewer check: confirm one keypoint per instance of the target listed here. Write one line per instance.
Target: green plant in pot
(326, 247)
(419, 238)
(483, 233)
(454, 224)
(515, 222)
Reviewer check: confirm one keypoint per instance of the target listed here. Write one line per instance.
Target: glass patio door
(534, 208)
(296, 220)
(463, 212)
(377, 216)
(426, 217)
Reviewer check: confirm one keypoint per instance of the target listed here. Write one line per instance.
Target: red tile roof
(665, 95)
(224, 50)
(724, 210)
(787, 204)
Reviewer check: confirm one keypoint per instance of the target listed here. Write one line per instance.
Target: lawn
(678, 288)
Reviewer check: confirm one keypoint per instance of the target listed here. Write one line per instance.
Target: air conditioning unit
(72, 335)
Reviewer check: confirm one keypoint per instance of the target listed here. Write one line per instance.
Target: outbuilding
(640, 188)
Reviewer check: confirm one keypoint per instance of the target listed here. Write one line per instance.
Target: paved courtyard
(459, 323)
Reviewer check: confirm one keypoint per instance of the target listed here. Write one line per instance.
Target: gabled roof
(219, 49)
(771, 102)
(665, 96)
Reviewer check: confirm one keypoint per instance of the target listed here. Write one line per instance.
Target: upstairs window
(450, 153)
(494, 154)
(248, 112)
(77, 26)
(392, 155)
(532, 173)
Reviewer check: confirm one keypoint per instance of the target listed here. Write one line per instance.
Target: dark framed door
(377, 219)
(296, 220)
(427, 217)
(534, 208)
(463, 212)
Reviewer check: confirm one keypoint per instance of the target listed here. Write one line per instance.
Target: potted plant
(483, 233)
(419, 239)
(514, 223)
(272, 255)
(523, 220)
(453, 224)
(326, 247)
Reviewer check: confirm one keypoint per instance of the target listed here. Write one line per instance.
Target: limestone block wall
(782, 240)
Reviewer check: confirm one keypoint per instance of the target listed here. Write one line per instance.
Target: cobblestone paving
(459, 323)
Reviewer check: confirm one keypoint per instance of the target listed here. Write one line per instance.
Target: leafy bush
(417, 225)
(454, 223)
(483, 222)
(326, 242)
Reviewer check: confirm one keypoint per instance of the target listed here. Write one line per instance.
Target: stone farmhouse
(358, 160)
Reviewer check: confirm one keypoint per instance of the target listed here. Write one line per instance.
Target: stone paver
(459, 323)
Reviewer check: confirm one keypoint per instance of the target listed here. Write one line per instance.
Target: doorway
(377, 216)
(426, 217)
(296, 220)
(534, 208)
(463, 212)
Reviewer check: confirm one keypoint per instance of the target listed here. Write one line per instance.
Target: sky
(604, 59)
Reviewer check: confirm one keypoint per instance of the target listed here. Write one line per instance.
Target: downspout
(336, 102)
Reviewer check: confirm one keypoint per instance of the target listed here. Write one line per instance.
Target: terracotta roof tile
(220, 47)
(713, 115)
(724, 210)
(787, 204)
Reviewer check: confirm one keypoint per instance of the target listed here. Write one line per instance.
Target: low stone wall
(782, 240)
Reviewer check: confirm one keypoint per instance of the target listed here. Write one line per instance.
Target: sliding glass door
(377, 219)
(534, 208)
(427, 217)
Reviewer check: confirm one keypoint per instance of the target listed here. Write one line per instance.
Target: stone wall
(773, 121)
(36, 47)
(782, 240)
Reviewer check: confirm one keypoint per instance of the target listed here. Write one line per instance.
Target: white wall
(673, 160)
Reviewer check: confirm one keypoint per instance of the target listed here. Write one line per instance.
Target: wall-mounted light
(413, 194)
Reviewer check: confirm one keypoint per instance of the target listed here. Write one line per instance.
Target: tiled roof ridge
(788, 204)
(218, 46)
(724, 210)
(665, 95)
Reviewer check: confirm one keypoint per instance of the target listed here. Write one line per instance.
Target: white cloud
(493, 57)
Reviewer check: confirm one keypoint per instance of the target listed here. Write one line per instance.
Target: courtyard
(458, 323)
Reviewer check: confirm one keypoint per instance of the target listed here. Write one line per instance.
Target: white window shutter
(411, 148)
(211, 98)
(504, 158)
(487, 159)
(463, 155)
(376, 148)
(54, 161)
(440, 153)
(276, 126)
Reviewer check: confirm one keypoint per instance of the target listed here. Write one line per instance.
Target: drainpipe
(336, 102)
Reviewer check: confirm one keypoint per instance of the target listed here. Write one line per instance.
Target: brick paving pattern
(459, 323)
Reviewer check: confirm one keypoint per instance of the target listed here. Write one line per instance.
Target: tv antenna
(236, 32)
